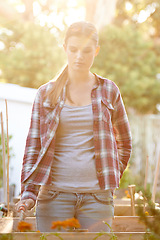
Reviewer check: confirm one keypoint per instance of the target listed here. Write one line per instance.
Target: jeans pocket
(104, 198)
(50, 196)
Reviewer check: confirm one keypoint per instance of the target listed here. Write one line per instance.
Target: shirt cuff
(27, 195)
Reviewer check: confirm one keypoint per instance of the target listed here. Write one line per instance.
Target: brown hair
(76, 29)
(82, 29)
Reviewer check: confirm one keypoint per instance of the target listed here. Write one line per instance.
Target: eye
(72, 49)
(87, 50)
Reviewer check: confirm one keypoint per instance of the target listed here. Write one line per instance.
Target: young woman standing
(79, 141)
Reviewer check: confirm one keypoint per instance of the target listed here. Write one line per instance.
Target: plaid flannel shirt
(111, 134)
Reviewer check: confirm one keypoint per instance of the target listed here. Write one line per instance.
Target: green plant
(44, 236)
(111, 234)
(152, 226)
(7, 236)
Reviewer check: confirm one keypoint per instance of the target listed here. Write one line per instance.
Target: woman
(79, 141)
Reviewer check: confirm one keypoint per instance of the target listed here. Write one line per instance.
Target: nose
(79, 55)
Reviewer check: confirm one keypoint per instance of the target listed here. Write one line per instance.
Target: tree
(144, 14)
(31, 56)
(130, 49)
(129, 59)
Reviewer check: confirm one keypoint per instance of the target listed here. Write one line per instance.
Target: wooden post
(156, 177)
(7, 157)
(145, 180)
(4, 160)
(132, 193)
(146, 174)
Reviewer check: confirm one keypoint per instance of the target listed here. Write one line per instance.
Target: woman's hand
(25, 204)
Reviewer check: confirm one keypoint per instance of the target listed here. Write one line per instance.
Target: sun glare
(128, 6)
(20, 8)
(74, 16)
(36, 8)
(72, 3)
(143, 16)
(2, 46)
(73, 13)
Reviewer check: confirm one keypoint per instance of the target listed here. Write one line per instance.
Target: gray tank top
(73, 168)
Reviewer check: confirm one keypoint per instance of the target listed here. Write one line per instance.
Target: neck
(79, 78)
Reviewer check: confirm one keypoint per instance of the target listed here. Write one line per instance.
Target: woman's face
(81, 52)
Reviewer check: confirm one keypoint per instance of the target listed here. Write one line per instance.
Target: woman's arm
(32, 149)
(122, 133)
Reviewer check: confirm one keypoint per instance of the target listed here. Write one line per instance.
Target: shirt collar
(99, 80)
(61, 98)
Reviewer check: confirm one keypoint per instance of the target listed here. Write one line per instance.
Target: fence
(146, 142)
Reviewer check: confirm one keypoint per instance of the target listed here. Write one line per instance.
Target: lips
(79, 63)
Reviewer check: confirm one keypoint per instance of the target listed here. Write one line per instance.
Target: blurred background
(31, 54)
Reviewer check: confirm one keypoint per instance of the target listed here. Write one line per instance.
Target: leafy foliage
(130, 60)
(31, 56)
(153, 229)
(7, 236)
(130, 49)
(150, 24)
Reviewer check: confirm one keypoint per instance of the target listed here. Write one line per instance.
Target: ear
(97, 50)
(64, 46)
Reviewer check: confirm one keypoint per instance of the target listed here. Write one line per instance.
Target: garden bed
(73, 236)
(120, 224)
(124, 228)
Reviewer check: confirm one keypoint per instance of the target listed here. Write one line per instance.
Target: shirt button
(61, 103)
(42, 151)
(98, 156)
(99, 172)
(57, 119)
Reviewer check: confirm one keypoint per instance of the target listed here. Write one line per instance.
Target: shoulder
(110, 92)
(42, 92)
(43, 89)
(46, 87)
(108, 85)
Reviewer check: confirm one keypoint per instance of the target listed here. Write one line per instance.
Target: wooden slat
(120, 224)
(6, 225)
(128, 224)
(79, 236)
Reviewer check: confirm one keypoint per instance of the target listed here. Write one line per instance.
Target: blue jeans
(91, 209)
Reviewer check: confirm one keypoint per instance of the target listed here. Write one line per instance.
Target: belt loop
(79, 199)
